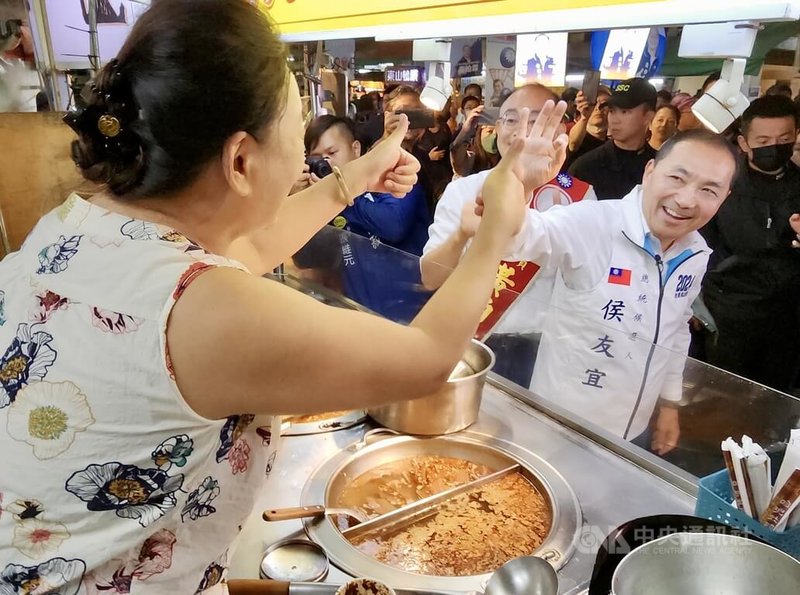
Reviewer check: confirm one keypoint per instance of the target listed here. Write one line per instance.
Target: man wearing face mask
(752, 286)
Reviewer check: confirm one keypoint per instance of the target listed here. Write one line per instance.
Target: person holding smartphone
(404, 100)
(617, 166)
(591, 128)
(475, 146)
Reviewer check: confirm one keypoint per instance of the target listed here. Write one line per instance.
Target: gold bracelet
(343, 188)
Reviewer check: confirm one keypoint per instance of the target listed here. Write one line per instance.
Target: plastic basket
(714, 499)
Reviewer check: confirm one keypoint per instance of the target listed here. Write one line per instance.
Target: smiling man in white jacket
(616, 338)
(616, 334)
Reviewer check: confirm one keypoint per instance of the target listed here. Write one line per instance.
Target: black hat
(633, 93)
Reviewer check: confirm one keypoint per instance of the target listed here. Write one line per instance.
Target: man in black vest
(616, 167)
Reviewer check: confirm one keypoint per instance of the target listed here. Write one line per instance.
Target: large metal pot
(702, 563)
(327, 482)
(452, 408)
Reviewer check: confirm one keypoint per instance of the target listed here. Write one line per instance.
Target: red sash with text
(513, 277)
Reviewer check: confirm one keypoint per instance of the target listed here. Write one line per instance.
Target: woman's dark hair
(675, 111)
(710, 80)
(191, 74)
(368, 103)
(469, 98)
(569, 94)
(322, 124)
(472, 86)
(483, 160)
(780, 89)
(664, 96)
(400, 91)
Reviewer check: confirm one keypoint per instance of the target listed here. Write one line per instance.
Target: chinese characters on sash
(513, 277)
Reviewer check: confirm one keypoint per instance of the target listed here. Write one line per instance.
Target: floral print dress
(109, 482)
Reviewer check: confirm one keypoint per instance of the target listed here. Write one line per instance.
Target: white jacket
(526, 314)
(615, 338)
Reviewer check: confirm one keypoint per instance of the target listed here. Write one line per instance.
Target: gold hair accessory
(343, 188)
(108, 126)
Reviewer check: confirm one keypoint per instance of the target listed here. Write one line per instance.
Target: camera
(319, 166)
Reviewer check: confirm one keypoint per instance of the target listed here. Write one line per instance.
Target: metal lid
(296, 426)
(294, 560)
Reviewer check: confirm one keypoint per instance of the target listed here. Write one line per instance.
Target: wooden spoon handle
(256, 587)
(298, 512)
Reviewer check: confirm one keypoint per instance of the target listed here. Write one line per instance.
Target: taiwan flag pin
(619, 276)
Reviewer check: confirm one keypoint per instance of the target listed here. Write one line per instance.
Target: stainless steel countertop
(611, 489)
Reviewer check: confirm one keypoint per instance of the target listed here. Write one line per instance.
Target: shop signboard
(467, 57)
(301, 16)
(405, 75)
(652, 56)
(342, 53)
(623, 53)
(541, 58)
(501, 52)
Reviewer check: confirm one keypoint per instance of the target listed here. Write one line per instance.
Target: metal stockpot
(705, 563)
(452, 408)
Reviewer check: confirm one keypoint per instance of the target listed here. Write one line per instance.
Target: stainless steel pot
(327, 482)
(705, 563)
(452, 408)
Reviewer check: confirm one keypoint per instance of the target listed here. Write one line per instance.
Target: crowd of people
(745, 317)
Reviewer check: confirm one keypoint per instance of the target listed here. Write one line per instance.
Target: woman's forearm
(437, 264)
(465, 292)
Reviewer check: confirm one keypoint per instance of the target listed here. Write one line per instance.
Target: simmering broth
(472, 534)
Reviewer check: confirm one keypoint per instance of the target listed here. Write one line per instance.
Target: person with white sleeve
(515, 326)
(616, 338)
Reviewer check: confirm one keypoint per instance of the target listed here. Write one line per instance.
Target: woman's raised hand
(387, 167)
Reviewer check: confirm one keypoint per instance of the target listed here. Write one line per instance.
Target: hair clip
(108, 126)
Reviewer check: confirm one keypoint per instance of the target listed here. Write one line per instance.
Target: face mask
(489, 143)
(772, 157)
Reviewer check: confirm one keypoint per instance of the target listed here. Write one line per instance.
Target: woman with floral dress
(144, 356)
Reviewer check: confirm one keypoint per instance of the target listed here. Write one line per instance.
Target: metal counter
(600, 469)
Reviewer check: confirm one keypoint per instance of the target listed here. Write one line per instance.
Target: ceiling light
(724, 101)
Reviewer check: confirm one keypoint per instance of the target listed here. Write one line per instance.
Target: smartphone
(418, 118)
(591, 83)
(489, 115)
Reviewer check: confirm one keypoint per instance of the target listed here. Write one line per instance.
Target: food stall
(558, 485)
(575, 483)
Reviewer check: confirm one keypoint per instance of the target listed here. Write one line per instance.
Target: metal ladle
(527, 575)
